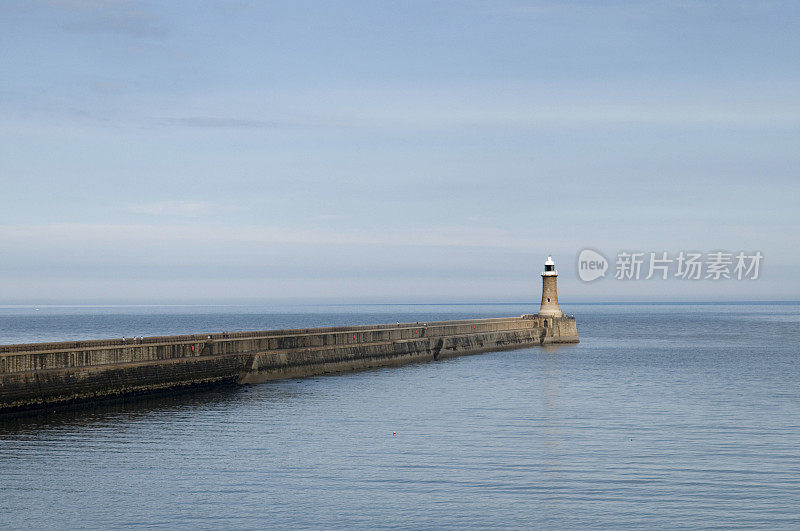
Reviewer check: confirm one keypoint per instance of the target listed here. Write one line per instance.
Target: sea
(664, 416)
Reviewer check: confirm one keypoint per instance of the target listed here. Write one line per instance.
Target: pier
(44, 374)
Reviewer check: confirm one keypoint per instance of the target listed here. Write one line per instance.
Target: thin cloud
(67, 233)
(170, 207)
(215, 122)
(520, 107)
(116, 17)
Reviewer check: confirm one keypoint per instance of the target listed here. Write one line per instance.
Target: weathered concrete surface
(42, 374)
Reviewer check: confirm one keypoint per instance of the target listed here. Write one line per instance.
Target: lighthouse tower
(549, 307)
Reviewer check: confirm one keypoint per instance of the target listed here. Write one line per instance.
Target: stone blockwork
(41, 374)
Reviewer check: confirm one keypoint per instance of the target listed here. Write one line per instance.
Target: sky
(392, 151)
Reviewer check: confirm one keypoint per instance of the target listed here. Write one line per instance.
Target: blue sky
(183, 152)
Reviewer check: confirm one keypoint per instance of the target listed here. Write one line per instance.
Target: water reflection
(118, 410)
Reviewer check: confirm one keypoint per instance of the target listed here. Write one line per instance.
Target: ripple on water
(658, 418)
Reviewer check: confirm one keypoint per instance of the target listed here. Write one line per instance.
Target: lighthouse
(549, 307)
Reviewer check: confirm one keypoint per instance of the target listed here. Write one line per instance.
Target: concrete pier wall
(41, 374)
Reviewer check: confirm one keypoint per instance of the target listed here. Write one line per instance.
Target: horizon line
(474, 303)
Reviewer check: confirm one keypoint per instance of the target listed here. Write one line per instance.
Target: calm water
(664, 416)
